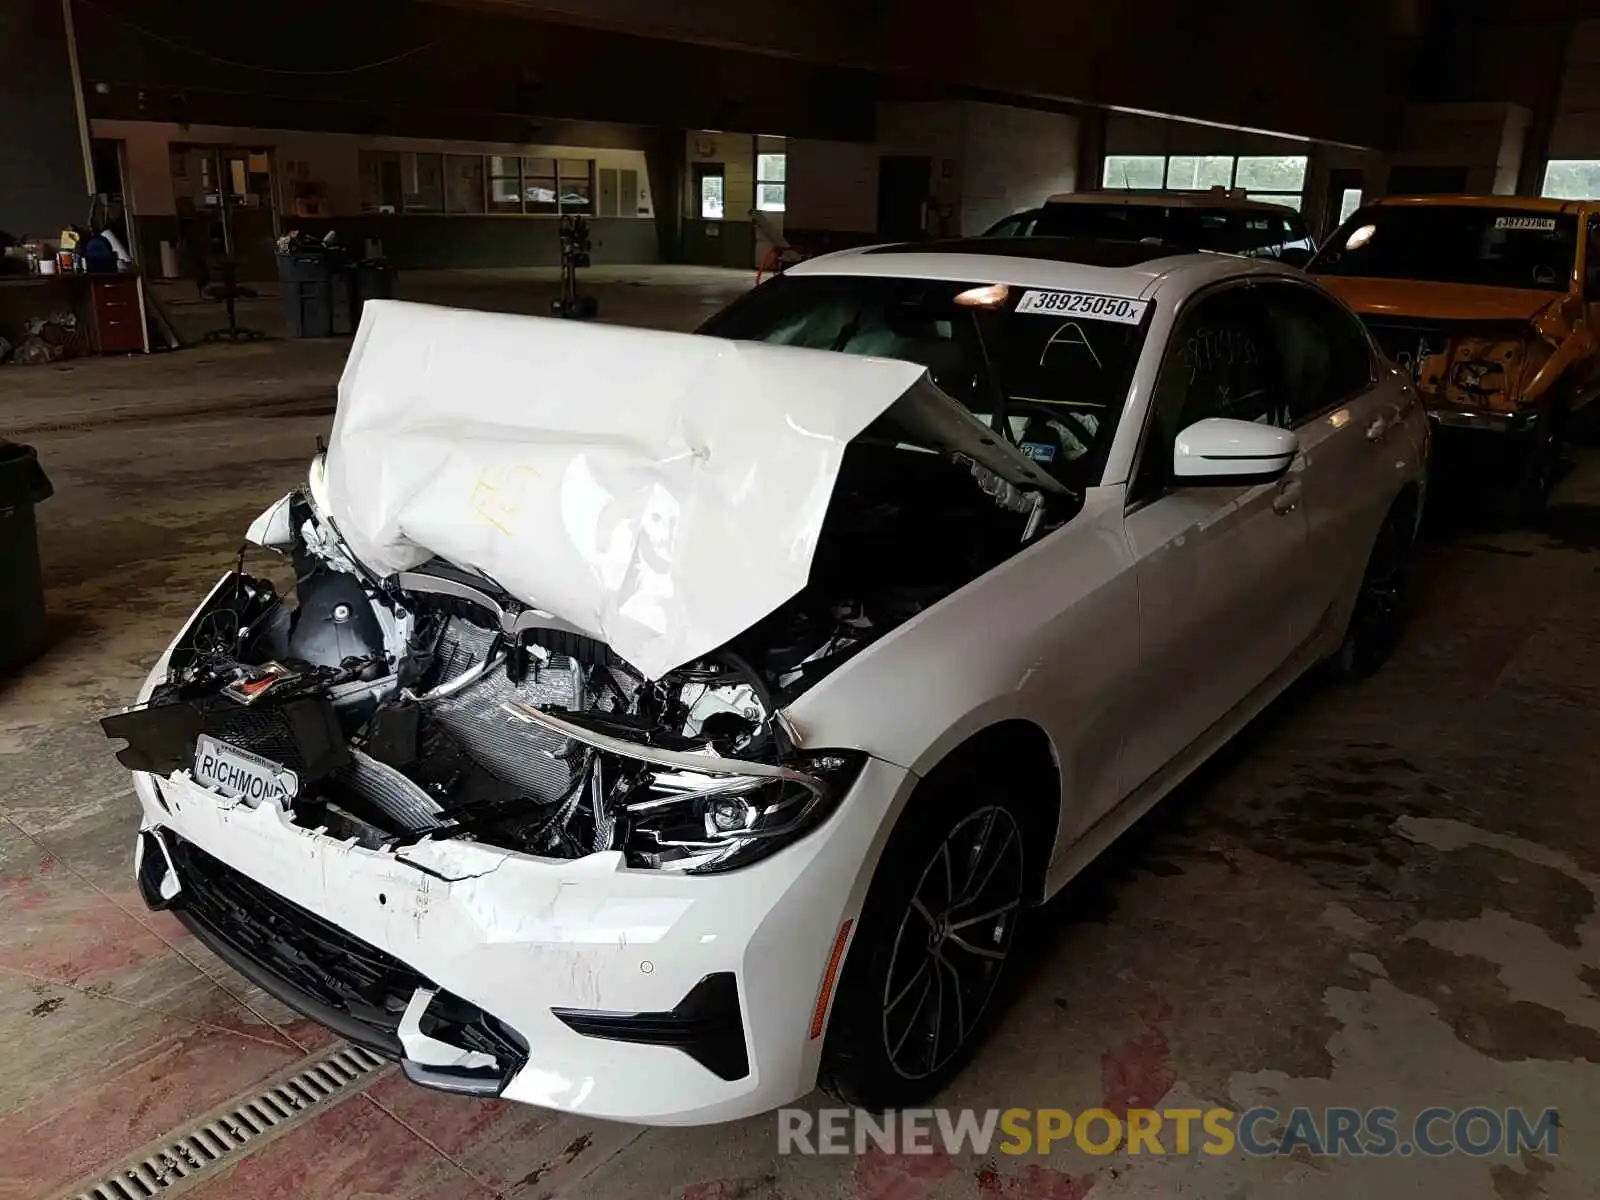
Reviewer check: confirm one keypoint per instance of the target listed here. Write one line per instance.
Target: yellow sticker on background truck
(1537, 224)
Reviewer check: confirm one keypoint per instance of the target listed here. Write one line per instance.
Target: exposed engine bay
(1496, 366)
(433, 704)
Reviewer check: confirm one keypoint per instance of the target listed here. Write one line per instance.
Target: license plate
(241, 775)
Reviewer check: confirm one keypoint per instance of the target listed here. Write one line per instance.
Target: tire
(1379, 614)
(921, 983)
(1539, 465)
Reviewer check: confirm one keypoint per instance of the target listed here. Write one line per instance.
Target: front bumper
(1482, 420)
(570, 984)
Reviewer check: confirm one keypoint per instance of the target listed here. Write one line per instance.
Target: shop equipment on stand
(575, 248)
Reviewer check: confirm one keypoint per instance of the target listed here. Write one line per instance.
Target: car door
(1343, 410)
(1590, 277)
(1221, 568)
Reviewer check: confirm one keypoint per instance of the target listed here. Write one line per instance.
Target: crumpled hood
(661, 492)
(1437, 301)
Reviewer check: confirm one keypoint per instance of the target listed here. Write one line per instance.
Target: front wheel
(1541, 464)
(934, 943)
(1379, 614)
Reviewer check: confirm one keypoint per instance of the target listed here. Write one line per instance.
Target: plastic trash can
(307, 284)
(370, 279)
(23, 484)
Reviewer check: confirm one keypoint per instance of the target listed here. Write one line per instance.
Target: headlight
(700, 823)
(317, 484)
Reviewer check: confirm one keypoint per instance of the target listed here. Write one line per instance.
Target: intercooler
(532, 759)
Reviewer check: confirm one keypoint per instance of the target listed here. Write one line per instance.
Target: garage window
(1148, 171)
(1572, 179)
(1273, 178)
(1191, 171)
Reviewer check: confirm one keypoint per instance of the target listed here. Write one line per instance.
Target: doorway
(904, 186)
(110, 203)
(226, 207)
(1344, 194)
(705, 226)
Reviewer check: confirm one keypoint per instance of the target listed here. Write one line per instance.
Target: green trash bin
(23, 484)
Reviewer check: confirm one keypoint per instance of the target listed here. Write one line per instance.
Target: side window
(1323, 355)
(1218, 363)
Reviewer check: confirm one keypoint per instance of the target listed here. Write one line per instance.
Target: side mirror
(1219, 450)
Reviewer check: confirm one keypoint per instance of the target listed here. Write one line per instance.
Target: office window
(422, 176)
(505, 183)
(1135, 171)
(1572, 179)
(380, 181)
(575, 184)
(539, 185)
(463, 183)
(771, 185)
(459, 184)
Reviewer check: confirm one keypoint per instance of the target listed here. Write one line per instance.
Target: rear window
(1059, 378)
(1251, 232)
(1493, 247)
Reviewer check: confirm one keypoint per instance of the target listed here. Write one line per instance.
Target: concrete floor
(1381, 895)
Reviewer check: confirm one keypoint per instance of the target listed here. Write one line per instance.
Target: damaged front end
(1490, 375)
(386, 712)
(433, 705)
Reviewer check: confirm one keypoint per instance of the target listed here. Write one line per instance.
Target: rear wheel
(1379, 614)
(934, 945)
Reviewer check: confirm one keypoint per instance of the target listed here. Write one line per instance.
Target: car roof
(1132, 269)
(1524, 203)
(1215, 198)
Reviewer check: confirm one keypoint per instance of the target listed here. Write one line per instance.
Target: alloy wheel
(953, 941)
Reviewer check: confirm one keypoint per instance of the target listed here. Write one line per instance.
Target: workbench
(110, 308)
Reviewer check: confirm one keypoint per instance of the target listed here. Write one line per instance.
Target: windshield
(1491, 247)
(1253, 232)
(1060, 380)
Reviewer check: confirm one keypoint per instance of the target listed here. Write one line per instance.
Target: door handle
(1379, 429)
(1288, 498)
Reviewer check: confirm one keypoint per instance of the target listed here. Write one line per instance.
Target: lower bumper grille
(317, 968)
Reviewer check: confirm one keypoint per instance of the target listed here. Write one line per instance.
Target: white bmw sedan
(660, 724)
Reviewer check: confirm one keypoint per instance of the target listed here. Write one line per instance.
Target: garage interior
(1381, 894)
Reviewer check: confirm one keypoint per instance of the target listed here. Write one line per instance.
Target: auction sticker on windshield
(1084, 304)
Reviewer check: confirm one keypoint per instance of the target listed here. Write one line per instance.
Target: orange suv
(1493, 304)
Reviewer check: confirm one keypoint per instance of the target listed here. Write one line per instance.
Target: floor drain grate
(218, 1139)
